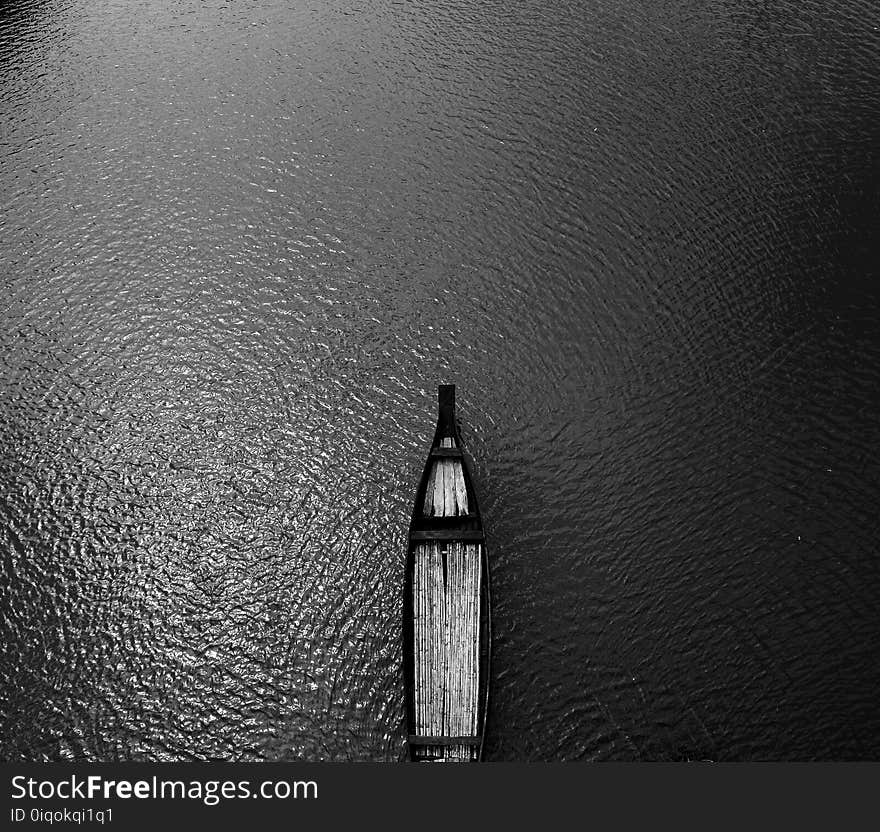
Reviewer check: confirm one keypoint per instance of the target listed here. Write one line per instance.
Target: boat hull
(447, 630)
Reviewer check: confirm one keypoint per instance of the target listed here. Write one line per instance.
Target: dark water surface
(242, 243)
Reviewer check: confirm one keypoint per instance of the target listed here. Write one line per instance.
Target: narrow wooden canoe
(447, 606)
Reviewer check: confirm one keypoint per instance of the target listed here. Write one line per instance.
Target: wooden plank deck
(446, 494)
(446, 605)
(447, 627)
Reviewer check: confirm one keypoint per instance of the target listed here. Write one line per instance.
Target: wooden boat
(447, 623)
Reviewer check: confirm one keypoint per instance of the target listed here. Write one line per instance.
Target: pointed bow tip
(446, 400)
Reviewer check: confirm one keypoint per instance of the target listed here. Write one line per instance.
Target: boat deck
(446, 617)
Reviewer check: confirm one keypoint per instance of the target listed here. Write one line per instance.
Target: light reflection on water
(241, 248)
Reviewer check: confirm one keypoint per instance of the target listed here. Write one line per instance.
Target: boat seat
(454, 453)
(414, 739)
(446, 534)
